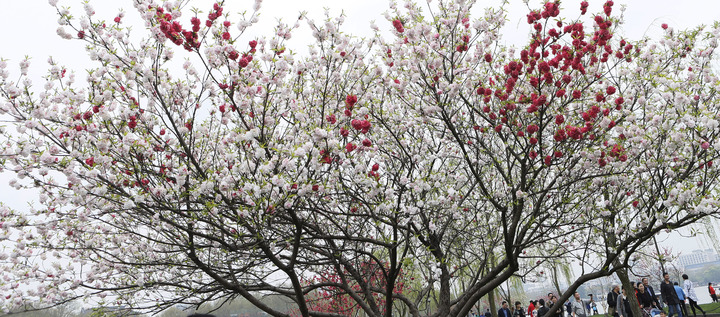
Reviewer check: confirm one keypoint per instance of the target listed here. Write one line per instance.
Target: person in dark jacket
(505, 310)
(519, 311)
(670, 297)
(623, 305)
(612, 300)
(651, 291)
(644, 298)
(543, 310)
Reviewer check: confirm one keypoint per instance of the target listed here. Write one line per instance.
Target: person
(692, 298)
(550, 301)
(580, 306)
(681, 296)
(669, 296)
(543, 310)
(623, 305)
(531, 309)
(487, 312)
(519, 311)
(644, 300)
(559, 312)
(505, 310)
(612, 299)
(594, 308)
(712, 293)
(651, 291)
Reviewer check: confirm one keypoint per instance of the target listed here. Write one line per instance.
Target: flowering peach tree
(426, 164)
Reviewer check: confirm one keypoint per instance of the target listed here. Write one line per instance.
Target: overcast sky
(29, 28)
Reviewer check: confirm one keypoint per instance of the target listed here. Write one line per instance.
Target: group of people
(538, 308)
(672, 295)
(677, 299)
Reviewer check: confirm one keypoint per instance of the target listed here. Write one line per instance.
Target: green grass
(712, 308)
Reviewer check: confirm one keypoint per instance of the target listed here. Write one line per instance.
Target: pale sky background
(29, 28)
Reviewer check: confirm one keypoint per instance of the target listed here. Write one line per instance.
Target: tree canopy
(413, 171)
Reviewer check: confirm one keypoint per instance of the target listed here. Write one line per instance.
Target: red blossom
(350, 101)
(607, 8)
(362, 125)
(398, 26)
(331, 118)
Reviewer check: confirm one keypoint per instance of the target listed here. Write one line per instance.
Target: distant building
(698, 257)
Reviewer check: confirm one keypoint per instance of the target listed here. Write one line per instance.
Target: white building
(698, 257)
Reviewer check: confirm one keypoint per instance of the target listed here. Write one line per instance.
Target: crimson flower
(398, 26)
(583, 7)
(350, 101)
(331, 118)
(362, 125)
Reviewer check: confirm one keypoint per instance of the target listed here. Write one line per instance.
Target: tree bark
(630, 291)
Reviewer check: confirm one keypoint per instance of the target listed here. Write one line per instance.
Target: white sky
(29, 28)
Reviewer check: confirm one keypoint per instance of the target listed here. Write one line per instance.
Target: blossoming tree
(414, 171)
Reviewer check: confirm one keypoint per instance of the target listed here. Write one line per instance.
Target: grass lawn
(712, 308)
